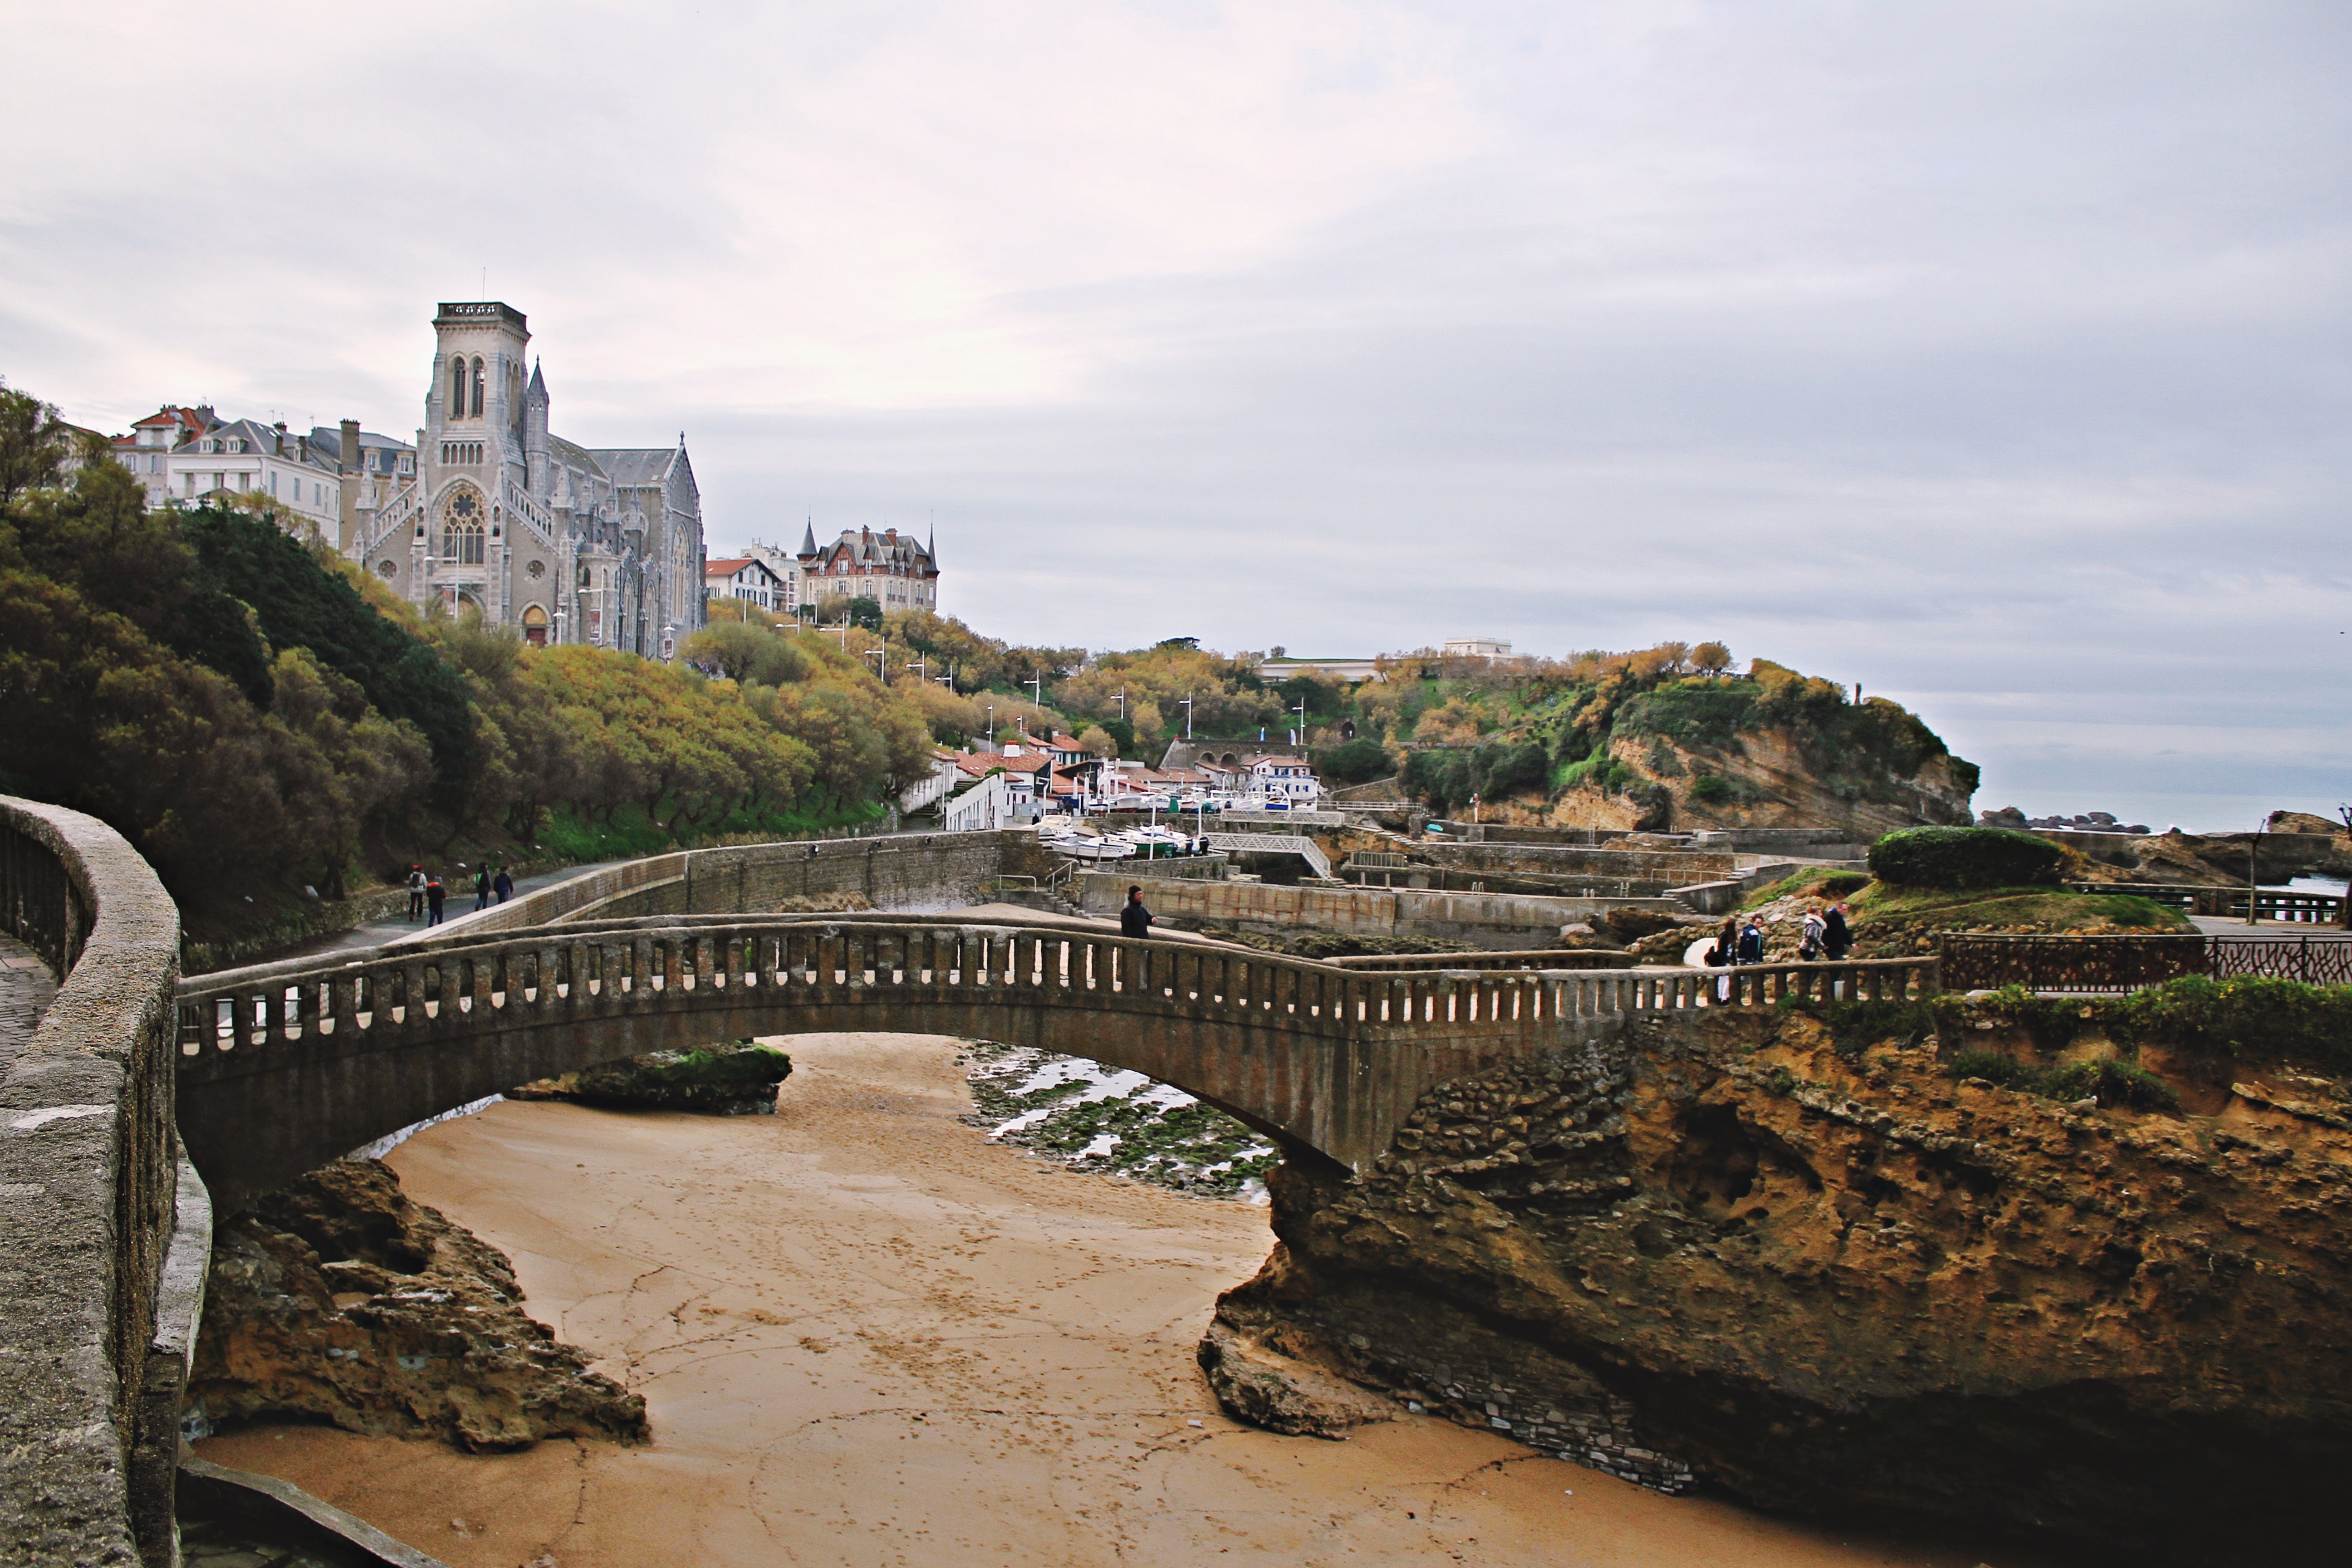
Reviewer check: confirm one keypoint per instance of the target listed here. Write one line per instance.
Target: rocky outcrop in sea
(736, 1078)
(1831, 1265)
(338, 1298)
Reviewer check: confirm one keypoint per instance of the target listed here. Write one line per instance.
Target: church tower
(473, 449)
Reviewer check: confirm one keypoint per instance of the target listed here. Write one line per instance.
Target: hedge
(1965, 857)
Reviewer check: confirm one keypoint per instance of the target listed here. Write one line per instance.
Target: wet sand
(867, 1336)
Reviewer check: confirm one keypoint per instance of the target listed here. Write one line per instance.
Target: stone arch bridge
(284, 1067)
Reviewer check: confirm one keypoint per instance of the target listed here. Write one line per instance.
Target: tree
(302, 601)
(1711, 657)
(34, 444)
(1096, 741)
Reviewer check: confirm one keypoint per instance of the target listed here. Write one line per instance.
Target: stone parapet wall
(909, 871)
(87, 1199)
(1500, 920)
(1675, 866)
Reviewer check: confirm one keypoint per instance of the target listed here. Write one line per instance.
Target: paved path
(2235, 926)
(376, 933)
(25, 989)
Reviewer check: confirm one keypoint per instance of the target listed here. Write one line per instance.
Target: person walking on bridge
(482, 886)
(417, 892)
(1134, 919)
(1835, 937)
(435, 896)
(504, 886)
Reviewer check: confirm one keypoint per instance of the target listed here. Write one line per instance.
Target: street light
(881, 656)
(1188, 717)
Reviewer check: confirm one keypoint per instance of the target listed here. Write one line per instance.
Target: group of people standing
(427, 895)
(1823, 935)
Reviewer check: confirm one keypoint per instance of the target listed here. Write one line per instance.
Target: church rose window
(461, 530)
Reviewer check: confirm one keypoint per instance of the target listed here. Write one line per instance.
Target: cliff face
(1841, 1283)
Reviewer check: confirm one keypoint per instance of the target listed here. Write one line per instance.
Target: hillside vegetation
(266, 722)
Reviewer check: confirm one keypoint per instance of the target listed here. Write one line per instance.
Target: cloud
(1990, 354)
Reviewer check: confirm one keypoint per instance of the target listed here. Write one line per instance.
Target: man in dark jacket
(482, 886)
(1134, 919)
(504, 886)
(1835, 938)
(433, 896)
(1751, 944)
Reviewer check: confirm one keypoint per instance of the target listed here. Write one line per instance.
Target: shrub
(1961, 857)
(1993, 1067)
(1359, 761)
(2112, 1082)
(2249, 1018)
(1710, 787)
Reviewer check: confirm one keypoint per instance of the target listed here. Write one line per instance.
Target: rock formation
(733, 1079)
(338, 1299)
(1800, 1260)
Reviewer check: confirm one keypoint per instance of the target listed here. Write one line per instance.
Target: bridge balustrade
(604, 967)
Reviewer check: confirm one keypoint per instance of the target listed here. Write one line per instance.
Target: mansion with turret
(564, 542)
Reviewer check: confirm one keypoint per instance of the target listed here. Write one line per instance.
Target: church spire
(931, 547)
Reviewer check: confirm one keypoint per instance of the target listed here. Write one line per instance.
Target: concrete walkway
(26, 991)
(376, 933)
(2234, 927)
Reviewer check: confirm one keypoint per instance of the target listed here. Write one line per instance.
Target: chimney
(351, 443)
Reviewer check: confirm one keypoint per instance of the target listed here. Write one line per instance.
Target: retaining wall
(89, 1201)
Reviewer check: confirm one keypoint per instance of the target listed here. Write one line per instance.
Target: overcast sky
(1992, 355)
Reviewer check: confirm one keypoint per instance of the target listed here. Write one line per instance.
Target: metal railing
(2290, 908)
(2120, 963)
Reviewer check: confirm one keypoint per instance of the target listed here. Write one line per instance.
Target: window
(457, 388)
(461, 530)
(478, 388)
(273, 482)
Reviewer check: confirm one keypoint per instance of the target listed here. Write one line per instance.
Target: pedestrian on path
(417, 892)
(482, 886)
(504, 886)
(1751, 943)
(1835, 937)
(434, 894)
(1727, 941)
(1134, 920)
(1811, 937)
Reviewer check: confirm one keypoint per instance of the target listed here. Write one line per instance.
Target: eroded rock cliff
(338, 1299)
(1821, 1271)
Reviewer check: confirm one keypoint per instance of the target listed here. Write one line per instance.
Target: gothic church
(565, 543)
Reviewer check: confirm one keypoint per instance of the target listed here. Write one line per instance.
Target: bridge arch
(284, 1067)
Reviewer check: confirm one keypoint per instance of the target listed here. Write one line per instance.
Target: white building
(1476, 647)
(1286, 779)
(744, 577)
(246, 457)
(986, 805)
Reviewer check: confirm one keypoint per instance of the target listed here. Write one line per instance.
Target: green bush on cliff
(2249, 1018)
(1962, 857)
(2112, 1082)
(1993, 1067)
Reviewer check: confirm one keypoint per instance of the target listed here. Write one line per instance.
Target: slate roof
(635, 465)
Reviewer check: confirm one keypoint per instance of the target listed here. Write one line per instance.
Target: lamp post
(992, 726)
(1187, 703)
(881, 658)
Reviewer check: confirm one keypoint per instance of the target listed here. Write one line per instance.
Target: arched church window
(457, 387)
(461, 530)
(478, 389)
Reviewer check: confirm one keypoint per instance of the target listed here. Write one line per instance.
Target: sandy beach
(867, 1336)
